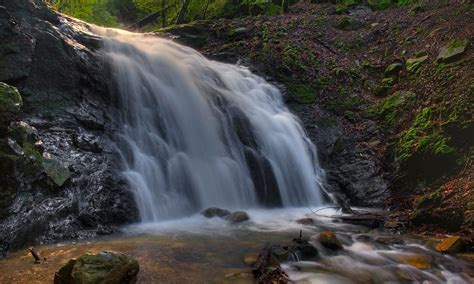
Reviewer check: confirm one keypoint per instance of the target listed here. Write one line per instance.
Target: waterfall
(197, 133)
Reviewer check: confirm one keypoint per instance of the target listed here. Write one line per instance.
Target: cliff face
(59, 177)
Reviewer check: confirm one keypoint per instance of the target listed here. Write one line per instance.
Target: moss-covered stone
(391, 110)
(452, 51)
(302, 93)
(413, 64)
(10, 102)
(393, 69)
(104, 267)
(423, 137)
(347, 23)
(328, 239)
(56, 171)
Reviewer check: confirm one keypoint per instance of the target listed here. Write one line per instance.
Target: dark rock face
(61, 180)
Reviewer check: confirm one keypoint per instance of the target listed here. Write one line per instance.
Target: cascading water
(198, 133)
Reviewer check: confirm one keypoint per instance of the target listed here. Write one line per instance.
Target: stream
(200, 250)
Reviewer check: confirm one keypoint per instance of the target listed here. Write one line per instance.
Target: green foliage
(304, 94)
(93, 11)
(393, 107)
(422, 137)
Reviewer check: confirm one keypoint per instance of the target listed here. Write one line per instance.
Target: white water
(182, 116)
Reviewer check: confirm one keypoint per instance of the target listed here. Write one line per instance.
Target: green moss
(452, 51)
(413, 64)
(422, 137)
(10, 102)
(303, 93)
(393, 107)
(393, 69)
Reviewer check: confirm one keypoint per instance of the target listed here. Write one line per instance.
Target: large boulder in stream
(237, 217)
(104, 267)
(215, 212)
(329, 239)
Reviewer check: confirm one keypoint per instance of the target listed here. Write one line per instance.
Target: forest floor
(378, 78)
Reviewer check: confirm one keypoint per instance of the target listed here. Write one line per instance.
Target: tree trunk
(182, 12)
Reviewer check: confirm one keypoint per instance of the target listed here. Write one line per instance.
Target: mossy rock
(452, 51)
(10, 103)
(392, 109)
(56, 171)
(413, 64)
(393, 69)
(104, 267)
(329, 239)
(347, 23)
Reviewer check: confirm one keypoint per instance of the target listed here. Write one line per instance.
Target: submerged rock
(418, 261)
(451, 245)
(215, 212)
(328, 239)
(104, 267)
(237, 217)
(305, 221)
(250, 259)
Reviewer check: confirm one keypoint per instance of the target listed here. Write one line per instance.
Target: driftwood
(35, 255)
(370, 220)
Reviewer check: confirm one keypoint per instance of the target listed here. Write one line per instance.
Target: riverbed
(201, 250)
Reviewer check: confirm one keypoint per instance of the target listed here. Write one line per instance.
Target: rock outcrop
(59, 175)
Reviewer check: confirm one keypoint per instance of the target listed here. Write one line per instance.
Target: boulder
(104, 267)
(215, 212)
(237, 217)
(452, 51)
(328, 239)
(451, 245)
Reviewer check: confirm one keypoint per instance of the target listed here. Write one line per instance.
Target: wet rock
(250, 259)
(389, 240)
(452, 51)
(418, 261)
(263, 178)
(215, 212)
(104, 267)
(451, 245)
(267, 269)
(328, 239)
(64, 83)
(58, 173)
(305, 221)
(87, 142)
(237, 217)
